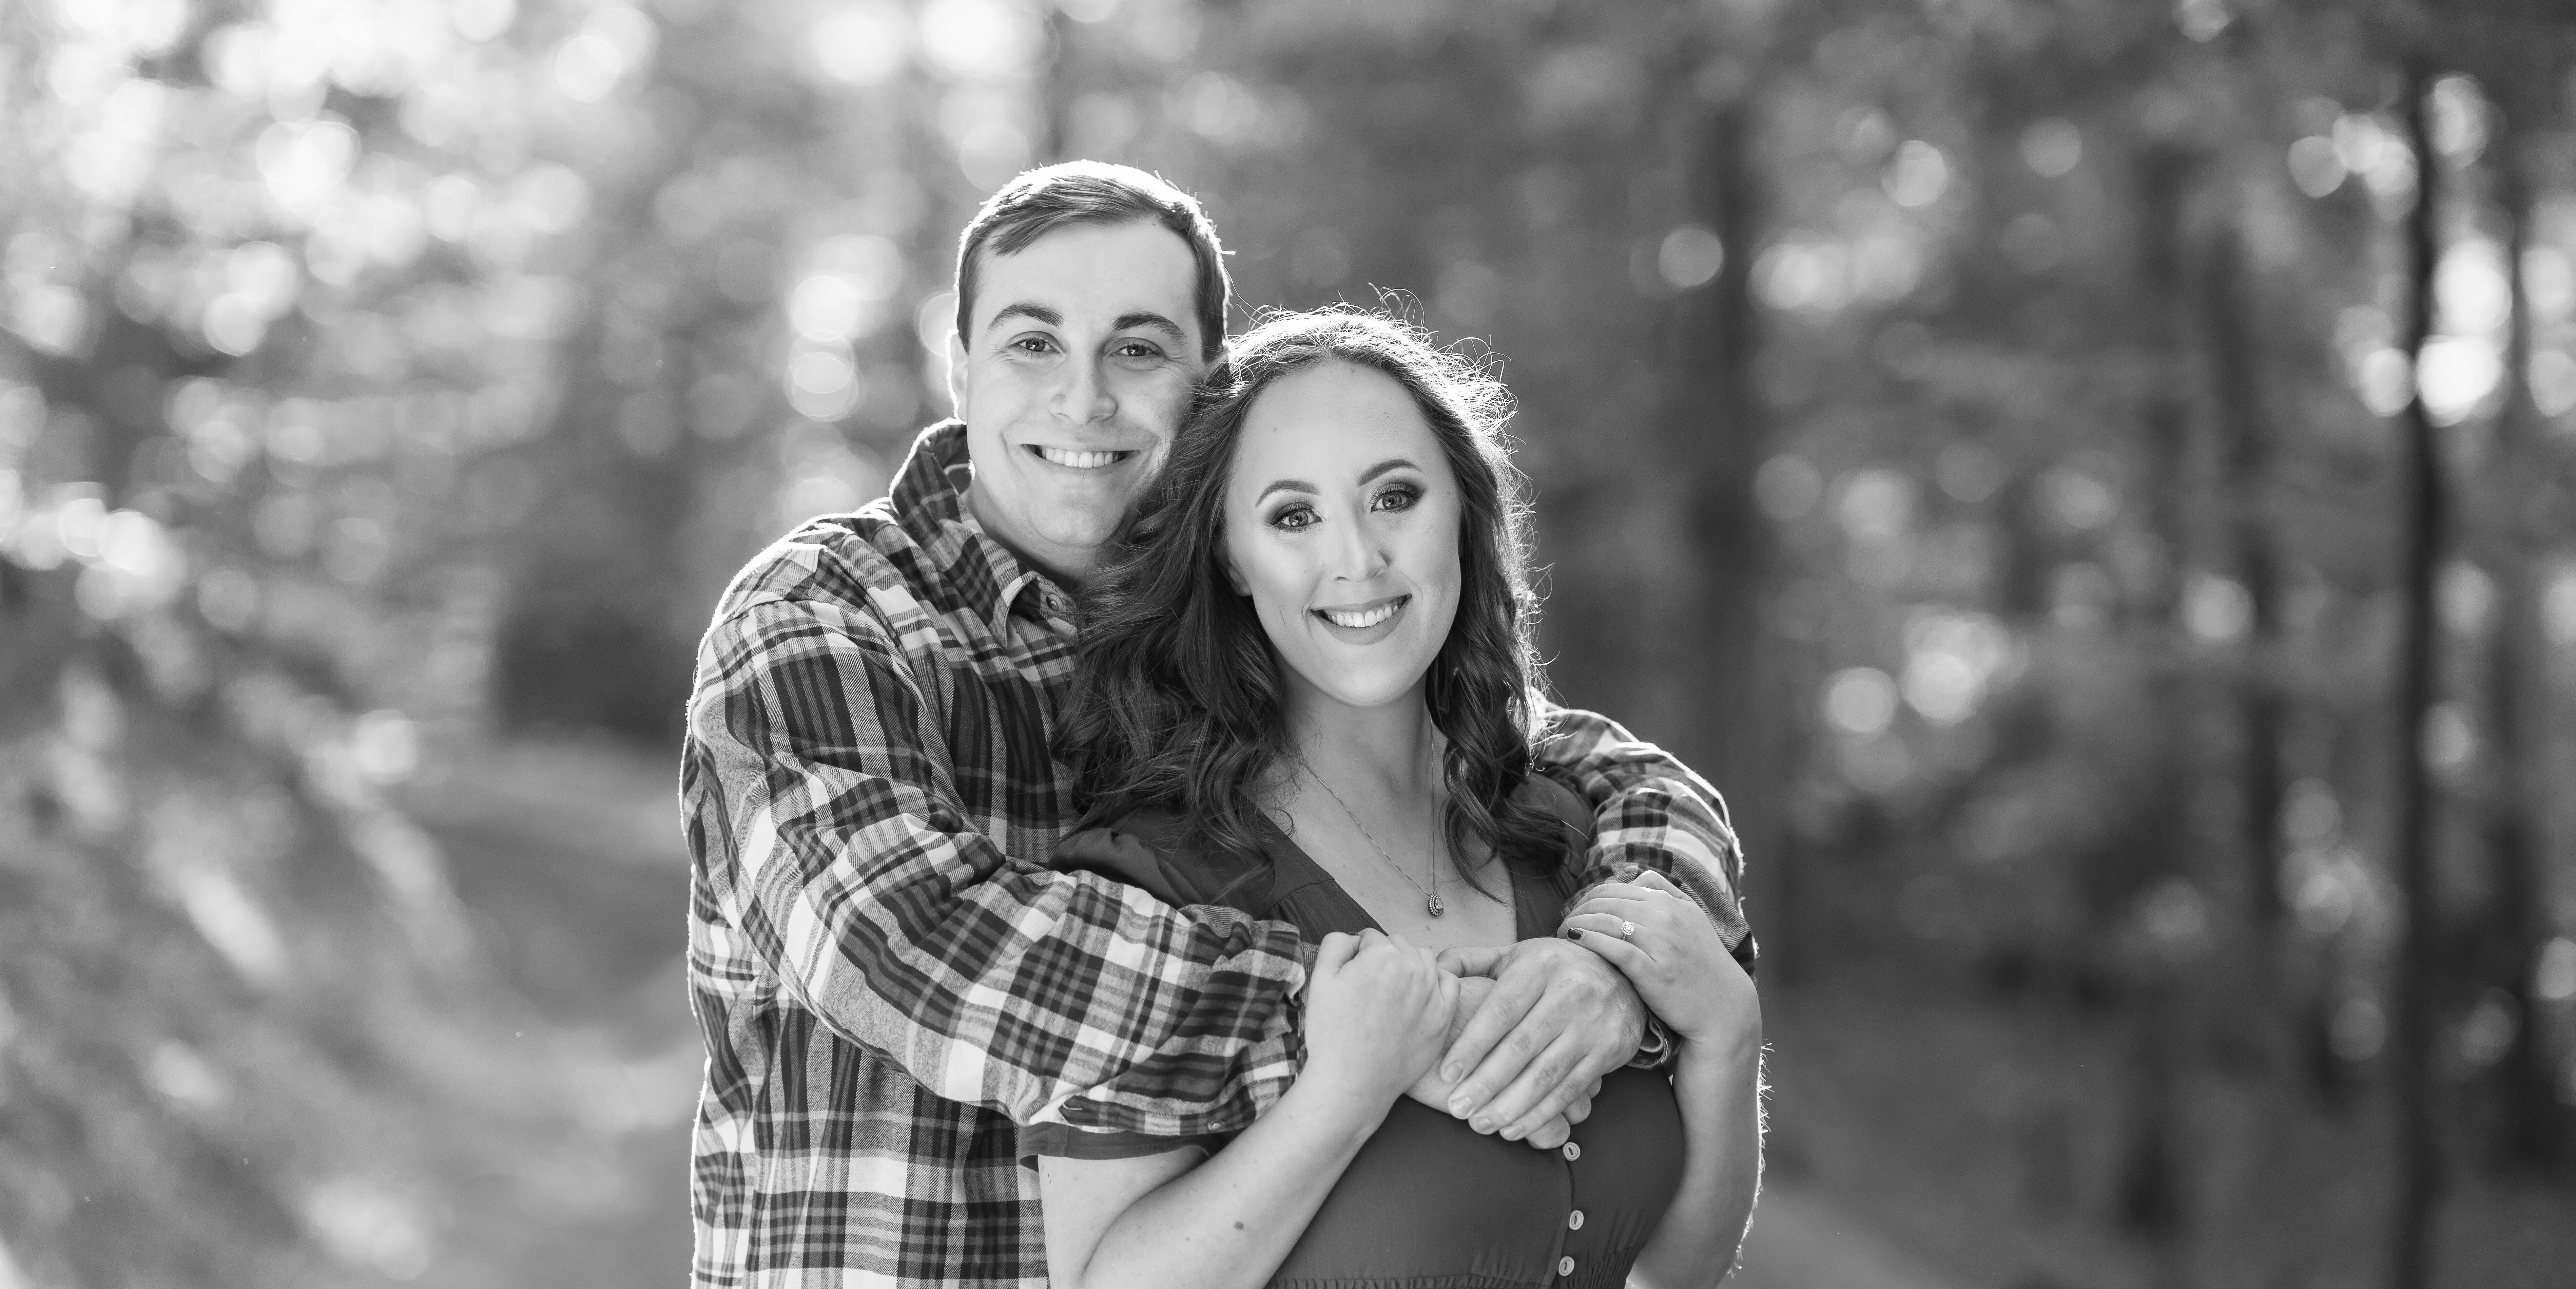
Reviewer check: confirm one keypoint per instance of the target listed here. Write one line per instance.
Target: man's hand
(1556, 1019)
(1435, 1091)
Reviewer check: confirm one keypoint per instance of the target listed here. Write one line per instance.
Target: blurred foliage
(1963, 427)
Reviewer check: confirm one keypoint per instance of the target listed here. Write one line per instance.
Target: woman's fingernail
(1452, 1073)
(1459, 1106)
(1573, 934)
(1481, 1124)
(1513, 1133)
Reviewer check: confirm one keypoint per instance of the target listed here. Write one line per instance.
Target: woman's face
(1341, 524)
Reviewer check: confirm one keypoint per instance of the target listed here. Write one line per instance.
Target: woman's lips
(1365, 622)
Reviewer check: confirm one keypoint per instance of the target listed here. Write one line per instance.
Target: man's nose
(1082, 396)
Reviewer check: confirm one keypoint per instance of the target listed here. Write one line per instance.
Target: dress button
(1574, 1220)
(1572, 1152)
(1565, 1266)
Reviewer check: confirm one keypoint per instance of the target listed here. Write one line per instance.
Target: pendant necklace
(1430, 898)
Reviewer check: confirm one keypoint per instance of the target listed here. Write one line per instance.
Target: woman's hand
(1674, 957)
(1377, 1015)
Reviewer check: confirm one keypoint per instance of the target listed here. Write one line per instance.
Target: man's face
(1079, 365)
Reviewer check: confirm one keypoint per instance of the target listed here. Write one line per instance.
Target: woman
(1304, 691)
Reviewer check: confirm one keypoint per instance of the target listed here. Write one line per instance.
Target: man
(888, 977)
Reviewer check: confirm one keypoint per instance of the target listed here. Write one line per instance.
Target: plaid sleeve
(1651, 811)
(824, 817)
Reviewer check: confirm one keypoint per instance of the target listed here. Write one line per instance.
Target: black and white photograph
(1287, 644)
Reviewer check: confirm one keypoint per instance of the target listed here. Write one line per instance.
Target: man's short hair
(1039, 201)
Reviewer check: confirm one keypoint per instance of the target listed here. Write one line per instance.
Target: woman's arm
(1682, 968)
(1229, 1222)
(1376, 1012)
(1720, 1090)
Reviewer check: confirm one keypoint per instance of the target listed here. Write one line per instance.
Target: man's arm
(1650, 811)
(1541, 1035)
(825, 819)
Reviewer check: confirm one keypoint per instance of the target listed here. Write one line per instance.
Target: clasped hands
(1530, 1030)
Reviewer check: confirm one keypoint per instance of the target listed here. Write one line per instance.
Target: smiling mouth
(1077, 460)
(1365, 616)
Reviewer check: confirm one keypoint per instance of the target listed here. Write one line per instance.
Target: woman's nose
(1358, 555)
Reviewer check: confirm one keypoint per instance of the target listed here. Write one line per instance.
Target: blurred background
(2090, 480)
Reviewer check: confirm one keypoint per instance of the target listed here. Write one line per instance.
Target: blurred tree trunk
(1058, 82)
(2518, 920)
(2247, 480)
(2422, 506)
(1714, 431)
(2152, 1199)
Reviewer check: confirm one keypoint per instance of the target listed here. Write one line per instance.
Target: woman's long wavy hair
(1178, 697)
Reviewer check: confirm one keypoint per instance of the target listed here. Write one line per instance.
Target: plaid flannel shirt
(888, 976)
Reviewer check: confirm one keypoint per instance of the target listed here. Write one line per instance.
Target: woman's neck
(1391, 746)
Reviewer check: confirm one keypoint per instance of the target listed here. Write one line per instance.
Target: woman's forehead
(1337, 419)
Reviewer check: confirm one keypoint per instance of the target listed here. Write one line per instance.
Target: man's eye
(1137, 349)
(1397, 498)
(1033, 345)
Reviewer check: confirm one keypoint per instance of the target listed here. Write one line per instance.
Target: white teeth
(1357, 620)
(1079, 460)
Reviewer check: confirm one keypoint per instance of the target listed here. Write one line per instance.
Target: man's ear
(956, 376)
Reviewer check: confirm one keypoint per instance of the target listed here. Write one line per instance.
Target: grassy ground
(521, 1119)
(1971, 1143)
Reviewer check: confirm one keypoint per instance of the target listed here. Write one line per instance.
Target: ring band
(1627, 929)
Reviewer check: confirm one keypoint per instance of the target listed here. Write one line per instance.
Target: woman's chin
(1351, 688)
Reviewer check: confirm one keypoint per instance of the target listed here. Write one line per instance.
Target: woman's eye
(1293, 518)
(1397, 498)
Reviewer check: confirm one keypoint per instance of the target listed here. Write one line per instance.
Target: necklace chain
(1430, 897)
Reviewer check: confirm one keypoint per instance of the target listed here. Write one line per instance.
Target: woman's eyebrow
(1285, 485)
(1391, 463)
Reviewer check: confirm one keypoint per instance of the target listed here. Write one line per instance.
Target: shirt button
(1572, 1152)
(1574, 1220)
(1565, 1266)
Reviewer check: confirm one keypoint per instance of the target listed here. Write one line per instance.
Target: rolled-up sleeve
(1650, 811)
(825, 821)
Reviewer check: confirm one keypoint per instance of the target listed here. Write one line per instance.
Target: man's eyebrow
(1285, 485)
(1037, 311)
(1391, 463)
(1154, 321)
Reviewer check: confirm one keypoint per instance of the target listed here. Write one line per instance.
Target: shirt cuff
(1656, 1049)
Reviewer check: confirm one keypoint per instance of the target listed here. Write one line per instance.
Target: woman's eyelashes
(1293, 517)
(1400, 496)
(1297, 516)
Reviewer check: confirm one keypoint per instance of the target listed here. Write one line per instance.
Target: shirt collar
(929, 501)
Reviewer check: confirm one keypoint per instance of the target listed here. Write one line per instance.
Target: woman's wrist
(1334, 1102)
(1726, 1050)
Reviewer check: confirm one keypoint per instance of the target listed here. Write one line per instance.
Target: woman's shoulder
(1554, 798)
(1151, 848)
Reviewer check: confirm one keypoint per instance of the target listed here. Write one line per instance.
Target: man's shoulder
(863, 561)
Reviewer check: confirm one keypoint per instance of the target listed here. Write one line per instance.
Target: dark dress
(1428, 1203)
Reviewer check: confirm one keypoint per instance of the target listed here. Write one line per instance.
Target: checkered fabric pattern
(887, 976)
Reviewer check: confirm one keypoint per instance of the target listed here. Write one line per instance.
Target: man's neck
(1066, 566)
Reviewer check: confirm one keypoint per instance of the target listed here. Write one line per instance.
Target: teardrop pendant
(1433, 903)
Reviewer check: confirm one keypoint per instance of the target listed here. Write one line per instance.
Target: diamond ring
(1627, 929)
